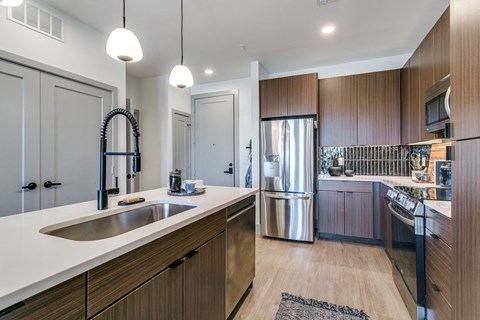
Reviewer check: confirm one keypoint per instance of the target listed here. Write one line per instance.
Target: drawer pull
(434, 236)
(435, 287)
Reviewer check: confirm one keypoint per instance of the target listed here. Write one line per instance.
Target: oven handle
(409, 222)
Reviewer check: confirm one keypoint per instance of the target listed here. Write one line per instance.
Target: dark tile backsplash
(373, 160)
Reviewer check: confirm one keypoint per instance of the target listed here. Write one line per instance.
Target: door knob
(229, 171)
(49, 184)
(30, 186)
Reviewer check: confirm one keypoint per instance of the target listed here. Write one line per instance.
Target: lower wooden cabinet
(191, 288)
(64, 301)
(346, 209)
(159, 298)
(438, 265)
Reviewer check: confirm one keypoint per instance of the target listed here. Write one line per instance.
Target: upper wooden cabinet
(360, 110)
(465, 73)
(428, 64)
(338, 118)
(379, 108)
(290, 96)
(441, 46)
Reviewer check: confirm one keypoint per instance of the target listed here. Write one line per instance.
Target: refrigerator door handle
(286, 175)
(290, 197)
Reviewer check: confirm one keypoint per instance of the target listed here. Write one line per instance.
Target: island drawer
(438, 224)
(111, 281)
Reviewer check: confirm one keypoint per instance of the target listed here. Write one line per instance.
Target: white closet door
(71, 116)
(19, 138)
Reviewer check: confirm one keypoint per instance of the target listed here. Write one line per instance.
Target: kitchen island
(33, 262)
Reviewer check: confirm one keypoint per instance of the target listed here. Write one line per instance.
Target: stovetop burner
(427, 193)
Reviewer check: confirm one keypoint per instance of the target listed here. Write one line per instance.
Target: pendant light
(123, 45)
(181, 76)
(11, 3)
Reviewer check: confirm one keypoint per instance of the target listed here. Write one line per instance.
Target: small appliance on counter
(443, 173)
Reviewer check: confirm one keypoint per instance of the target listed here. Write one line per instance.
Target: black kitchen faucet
(102, 193)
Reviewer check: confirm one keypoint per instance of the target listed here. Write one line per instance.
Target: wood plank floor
(355, 275)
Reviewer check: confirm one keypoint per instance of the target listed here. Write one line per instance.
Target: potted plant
(415, 165)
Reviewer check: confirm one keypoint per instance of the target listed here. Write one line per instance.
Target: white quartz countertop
(32, 262)
(443, 207)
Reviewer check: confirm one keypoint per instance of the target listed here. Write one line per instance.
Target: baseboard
(329, 236)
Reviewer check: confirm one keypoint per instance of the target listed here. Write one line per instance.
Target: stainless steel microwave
(437, 105)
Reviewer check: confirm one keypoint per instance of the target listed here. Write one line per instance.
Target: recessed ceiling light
(328, 29)
(208, 71)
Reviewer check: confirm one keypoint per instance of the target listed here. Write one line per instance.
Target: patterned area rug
(297, 308)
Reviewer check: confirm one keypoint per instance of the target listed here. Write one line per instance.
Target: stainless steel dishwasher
(240, 251)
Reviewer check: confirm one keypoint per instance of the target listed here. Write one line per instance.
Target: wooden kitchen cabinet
(204, 281)
(379, 108)
(359, 214)
(426, 70)
(441, 45)
(273, 97)
(331, 217)
(159, 298)
(64, 301)
(346, 209)
(338, 116)
(191, 288)
(405, 103)
(360, 109)
(429, 63)
(289, 96)
(438, 265)
(414, 97)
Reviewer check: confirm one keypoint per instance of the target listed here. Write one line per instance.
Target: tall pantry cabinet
(465, 116)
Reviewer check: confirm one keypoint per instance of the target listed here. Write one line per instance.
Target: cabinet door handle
(49, 184)
(435, 287)
(191, 253)
(30, 186)
(434, 236)
(176, 264)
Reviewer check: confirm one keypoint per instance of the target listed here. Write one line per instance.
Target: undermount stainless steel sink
(115, 224)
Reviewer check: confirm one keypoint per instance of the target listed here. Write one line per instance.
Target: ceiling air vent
(324, 2)
(32, 16)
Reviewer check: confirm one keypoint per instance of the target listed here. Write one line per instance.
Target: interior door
(19, 138)
(214, 140)
(71, 116)
(182, 144)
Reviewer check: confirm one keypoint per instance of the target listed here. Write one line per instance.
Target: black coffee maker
(175, 180)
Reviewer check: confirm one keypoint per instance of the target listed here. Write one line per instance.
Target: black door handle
(49, 184)
(229, 171)
(30, 186)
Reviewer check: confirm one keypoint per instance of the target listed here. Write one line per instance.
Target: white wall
(133, 91)
(356, 67)
(245, 115)
(157, 99)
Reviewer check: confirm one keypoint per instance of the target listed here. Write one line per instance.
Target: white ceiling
(284, 35)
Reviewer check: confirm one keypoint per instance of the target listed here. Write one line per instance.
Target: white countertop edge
(149, 234)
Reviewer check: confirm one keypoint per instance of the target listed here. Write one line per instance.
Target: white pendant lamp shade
(181, 77)
(123, 45)
(10, 3)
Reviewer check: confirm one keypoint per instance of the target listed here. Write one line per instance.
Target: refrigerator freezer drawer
(287, 215)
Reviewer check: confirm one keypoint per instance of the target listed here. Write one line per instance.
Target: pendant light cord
(123, 14)
(181, 32)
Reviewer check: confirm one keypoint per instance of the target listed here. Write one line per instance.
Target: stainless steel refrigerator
(288, 178)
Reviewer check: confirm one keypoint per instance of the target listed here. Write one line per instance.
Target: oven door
(408, 255)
